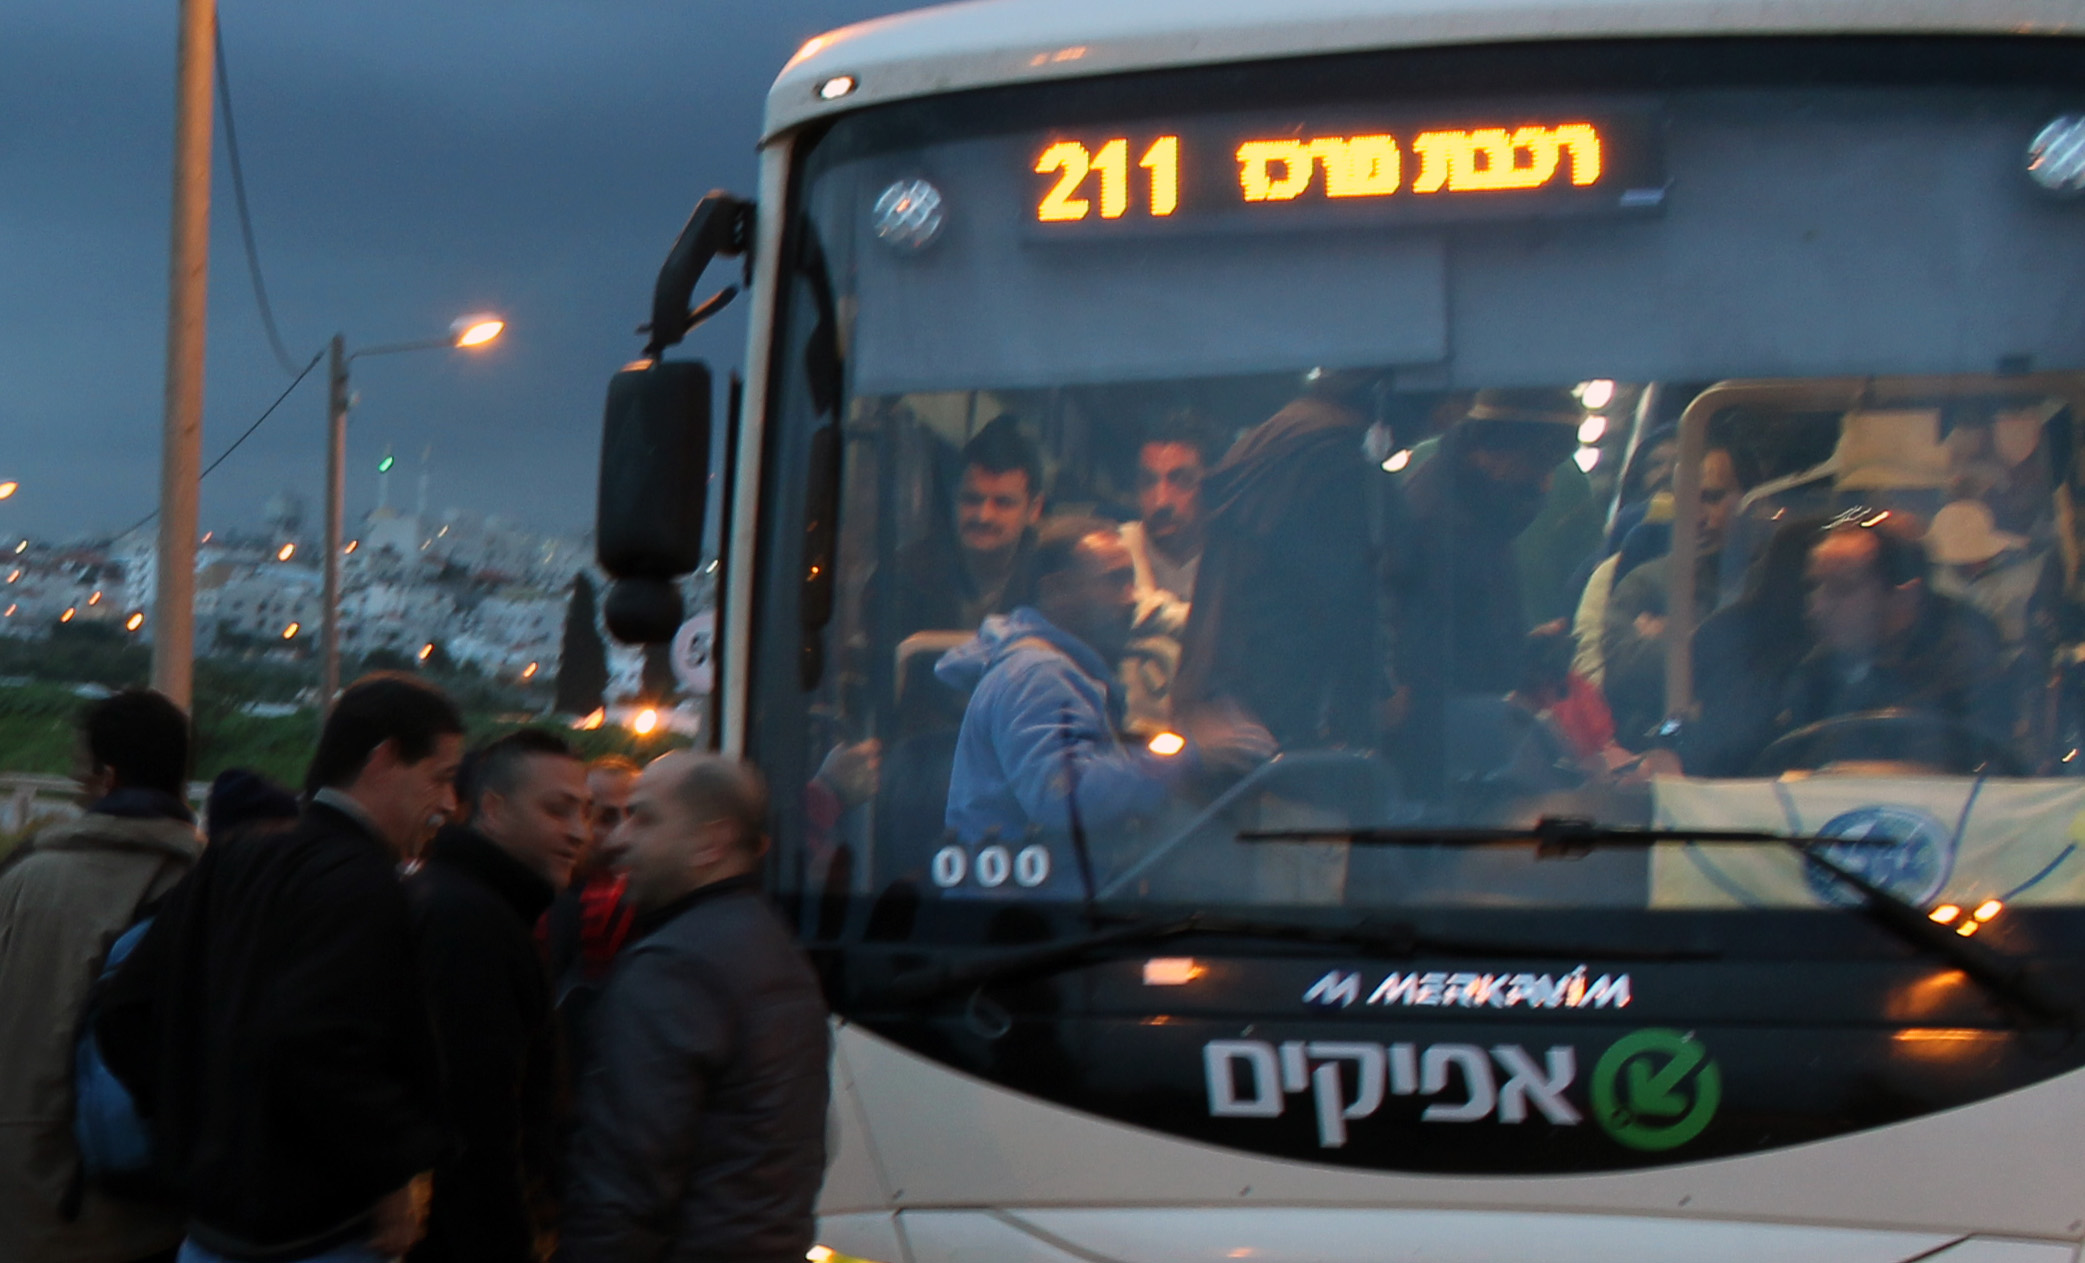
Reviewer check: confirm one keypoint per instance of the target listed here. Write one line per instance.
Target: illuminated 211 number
(1072, 162)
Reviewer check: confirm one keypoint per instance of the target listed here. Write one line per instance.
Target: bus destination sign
(1573, 164)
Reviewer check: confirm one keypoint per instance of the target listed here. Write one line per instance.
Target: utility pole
(336, 511)
(188, 276)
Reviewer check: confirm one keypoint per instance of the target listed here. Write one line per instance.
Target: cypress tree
(582, 665)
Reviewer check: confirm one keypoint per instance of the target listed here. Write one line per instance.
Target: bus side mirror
(654, 479)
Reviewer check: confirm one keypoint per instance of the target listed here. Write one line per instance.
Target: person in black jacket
(476, 902)
(701, 1128)
(271, 1024)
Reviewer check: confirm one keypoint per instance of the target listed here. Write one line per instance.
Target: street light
(477, 330)
(470, 332)
(9, 488)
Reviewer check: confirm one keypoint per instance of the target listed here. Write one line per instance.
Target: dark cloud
(407, 163)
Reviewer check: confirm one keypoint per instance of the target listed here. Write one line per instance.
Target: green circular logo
(1656, 1089)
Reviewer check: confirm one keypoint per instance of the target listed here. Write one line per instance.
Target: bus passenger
(1039, 739)
(951, 581)
(1633, 640)
(1286, 623)
(1744, 655)
(1165, 542)
(1165, 546)
(2016, 585)
(1457, 621)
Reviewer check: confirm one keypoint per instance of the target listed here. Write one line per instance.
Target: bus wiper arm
(1554, 837)
(1395, 941)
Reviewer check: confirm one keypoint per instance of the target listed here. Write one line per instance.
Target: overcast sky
(407, 162)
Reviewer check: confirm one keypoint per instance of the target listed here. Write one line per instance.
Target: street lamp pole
(336, 513)
(469, 332)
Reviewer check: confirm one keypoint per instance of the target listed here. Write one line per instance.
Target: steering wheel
(1910, 735)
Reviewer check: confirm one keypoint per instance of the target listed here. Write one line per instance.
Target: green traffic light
(384, 466)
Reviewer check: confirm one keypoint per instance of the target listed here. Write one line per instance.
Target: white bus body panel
(1418, 1236)
(961, 46)
(914, 1135)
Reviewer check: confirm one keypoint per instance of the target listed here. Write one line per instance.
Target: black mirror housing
(643, 611)
(655, 439)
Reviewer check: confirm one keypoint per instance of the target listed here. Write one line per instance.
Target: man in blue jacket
(1039, 761)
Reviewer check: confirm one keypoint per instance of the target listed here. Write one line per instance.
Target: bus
(1409, 629)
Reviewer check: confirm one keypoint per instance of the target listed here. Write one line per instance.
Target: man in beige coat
(65, 896)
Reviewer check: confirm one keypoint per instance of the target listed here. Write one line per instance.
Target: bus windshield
(1675, 433)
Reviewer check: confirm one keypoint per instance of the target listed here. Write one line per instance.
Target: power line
(226, 453)
(253, 252)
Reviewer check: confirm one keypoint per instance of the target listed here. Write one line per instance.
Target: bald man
(701, 1119)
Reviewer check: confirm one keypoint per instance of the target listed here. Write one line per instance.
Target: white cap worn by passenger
(1964, 533)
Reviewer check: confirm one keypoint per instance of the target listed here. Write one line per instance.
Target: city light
(1398, 460)
(1167, 744)
(1592, 429)
(134, 622)
(477, 330)
(427, 651)
(1597, 393)
(1586, 457)
(95, 599)
(11, 609)
(352, 545)
(9, 488)
(67, 616)
(290, 632)
(593, 721)
(21, 548)
(14, 575)
(285, 552)
(1945, 913)
(384, 466)
(529, 672)
(645, 722)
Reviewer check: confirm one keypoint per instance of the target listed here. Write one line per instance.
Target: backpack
(115, 1143)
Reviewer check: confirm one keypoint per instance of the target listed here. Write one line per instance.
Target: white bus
(1583, 442)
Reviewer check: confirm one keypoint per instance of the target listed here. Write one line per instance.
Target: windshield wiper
(2000, 975)
(1395, 941)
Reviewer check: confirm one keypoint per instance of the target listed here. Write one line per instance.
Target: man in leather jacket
(701, 1131)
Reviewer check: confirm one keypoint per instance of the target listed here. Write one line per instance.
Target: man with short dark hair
(65, 896)
(1165, 548)
(476, 902)
(272, 1024)
(702, 1116)
(1039, 758)
(950, 580)
(1165, 541)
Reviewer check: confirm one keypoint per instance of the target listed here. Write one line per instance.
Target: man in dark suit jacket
(272, 1024)
(476, 902)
